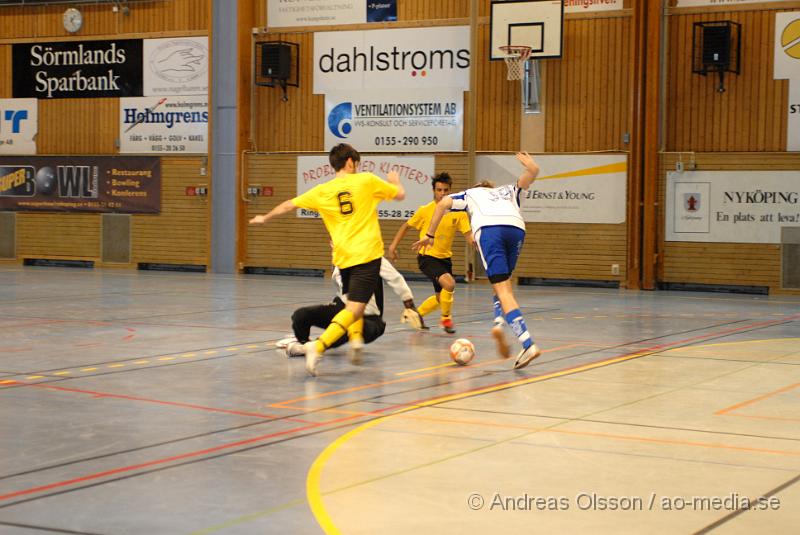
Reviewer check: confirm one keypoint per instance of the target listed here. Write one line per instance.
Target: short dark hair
(444, 178)
(339, 155)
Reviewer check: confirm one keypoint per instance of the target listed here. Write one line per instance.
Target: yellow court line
(35, 377)
(167, 358)
(62, 373)
(313, 491)
(116, 365)
(88, 369)
(427, 369)
(141, 362)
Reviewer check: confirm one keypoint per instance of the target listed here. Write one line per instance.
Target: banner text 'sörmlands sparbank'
(394, 59)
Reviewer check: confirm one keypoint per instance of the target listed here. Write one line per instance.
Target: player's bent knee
(494, 279)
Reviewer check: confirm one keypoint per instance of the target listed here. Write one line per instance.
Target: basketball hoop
(515, 60)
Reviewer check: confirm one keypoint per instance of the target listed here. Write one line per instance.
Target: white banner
(177, 124)
(285, 13)
(793, 123)
(569, 188)
(720, 3)
(19, 124)
(413, 120)
(415, 175)
(392, 59)
(731, 206)
(582, 6)
(787, 46)
(176, 66)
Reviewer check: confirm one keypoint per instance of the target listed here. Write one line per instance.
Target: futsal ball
(462, 351)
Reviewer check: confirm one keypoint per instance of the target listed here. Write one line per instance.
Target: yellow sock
(446, 300)
(428, 306)
(356, 330)
(335, 330)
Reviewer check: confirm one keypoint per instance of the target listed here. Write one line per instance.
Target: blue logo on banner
(385, 11)
(340, 120)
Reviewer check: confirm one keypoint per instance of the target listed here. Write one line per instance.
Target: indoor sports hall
(174, 211)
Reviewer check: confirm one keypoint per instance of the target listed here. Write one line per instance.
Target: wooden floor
(156, 403)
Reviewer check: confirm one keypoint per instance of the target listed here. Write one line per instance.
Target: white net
(515, 59)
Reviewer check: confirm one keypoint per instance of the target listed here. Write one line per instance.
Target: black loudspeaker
(276, 61)
(716, 46)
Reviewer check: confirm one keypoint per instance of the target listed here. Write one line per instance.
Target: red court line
(159, 402)
(757, 399)
(157, 462)
(222, 447)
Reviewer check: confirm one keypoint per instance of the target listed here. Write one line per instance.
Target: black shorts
(433, 268)
(359, 281)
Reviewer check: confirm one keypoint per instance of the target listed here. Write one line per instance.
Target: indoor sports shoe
(526, 356)
(447, 325)
(413, 318)
(312, 357)
(356, 349)
(295, 349)
(503, 349)
(283, 342)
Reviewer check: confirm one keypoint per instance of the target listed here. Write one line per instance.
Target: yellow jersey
(445, 232)
(348, 205)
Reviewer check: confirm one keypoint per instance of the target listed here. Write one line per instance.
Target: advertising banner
(284, 13)
(78, 69)
(569, 188)
(392, 59)
(584, 6)
(176, 66)
(125, 185)
(412, 120)
(731, 206)
(787, 46)
(415, 175)
(175, 125)
(19, 123)
(793, 122)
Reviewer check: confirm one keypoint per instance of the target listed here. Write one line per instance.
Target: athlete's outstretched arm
(442, 207)
(401, 232)
(394, 178)
(531, 170)
(283, 208)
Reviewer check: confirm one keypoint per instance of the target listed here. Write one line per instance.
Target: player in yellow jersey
(347, 205)
(436, 261)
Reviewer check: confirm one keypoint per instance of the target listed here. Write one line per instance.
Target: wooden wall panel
(40, 21)
(587, 91)
(297, 124)
(750, 115)
(78, 126)
(573, 251)
(6, 88)
(180, 234)
(735, 264)
(57, 236)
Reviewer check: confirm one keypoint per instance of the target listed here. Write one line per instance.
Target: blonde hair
(484, 184)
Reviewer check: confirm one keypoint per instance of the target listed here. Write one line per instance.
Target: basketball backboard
(533, 23)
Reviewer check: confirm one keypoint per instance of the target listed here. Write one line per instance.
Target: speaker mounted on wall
(277, 65)
(716, 48)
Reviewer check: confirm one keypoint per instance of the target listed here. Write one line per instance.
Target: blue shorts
(499, 247)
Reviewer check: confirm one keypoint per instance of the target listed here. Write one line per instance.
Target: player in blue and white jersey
(499, 231)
